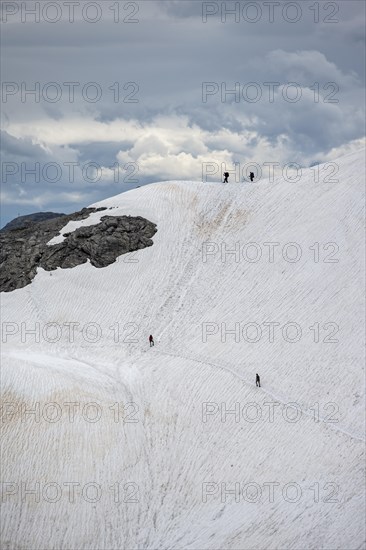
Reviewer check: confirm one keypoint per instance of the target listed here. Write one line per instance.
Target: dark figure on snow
(151, 340)
(226, 175)
(257, 380)
(251, 175)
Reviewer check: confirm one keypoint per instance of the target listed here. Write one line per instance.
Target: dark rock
(23, 249)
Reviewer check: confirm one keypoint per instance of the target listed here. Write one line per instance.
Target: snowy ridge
(177, 442)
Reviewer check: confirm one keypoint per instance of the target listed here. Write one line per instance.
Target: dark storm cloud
(22, 148)
(102, 153)
(161, 63)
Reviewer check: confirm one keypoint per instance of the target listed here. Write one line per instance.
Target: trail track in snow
(171, 290)
(286, 402)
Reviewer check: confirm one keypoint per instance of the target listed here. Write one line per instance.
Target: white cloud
(170, 132)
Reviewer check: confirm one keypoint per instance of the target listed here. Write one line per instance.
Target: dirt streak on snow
(152, 440)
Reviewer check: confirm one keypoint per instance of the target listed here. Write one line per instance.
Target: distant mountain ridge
(24, 221)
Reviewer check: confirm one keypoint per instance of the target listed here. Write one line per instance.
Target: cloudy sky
(128, 93)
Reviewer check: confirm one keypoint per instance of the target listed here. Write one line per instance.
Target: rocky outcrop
(23, 221)
(24, 249)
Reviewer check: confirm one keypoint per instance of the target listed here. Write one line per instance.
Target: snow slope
(146, 437)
